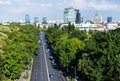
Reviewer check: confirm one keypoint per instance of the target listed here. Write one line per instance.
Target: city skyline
(15, 10)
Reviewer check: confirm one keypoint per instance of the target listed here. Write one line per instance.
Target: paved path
(23, 73)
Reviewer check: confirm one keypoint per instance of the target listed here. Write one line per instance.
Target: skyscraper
(72, 15)
(35, 19)
(97, 18)
(27, 19)
(109, 19)
(44, 20)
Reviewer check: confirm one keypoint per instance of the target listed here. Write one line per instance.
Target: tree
(1, 68)
(98, 63)
(17, 50)
(68, 29)
(80, 34)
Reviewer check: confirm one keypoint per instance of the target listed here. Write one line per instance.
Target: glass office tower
(27, 19)
(35, 19)
(44, 20)
(109, 19)
(72, 15)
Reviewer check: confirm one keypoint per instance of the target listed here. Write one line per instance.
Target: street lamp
(67, 64)
(75, 71)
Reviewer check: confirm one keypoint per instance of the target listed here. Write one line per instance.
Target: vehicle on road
(36, 52)
(51, 57)
(52, 62)
(51, 75)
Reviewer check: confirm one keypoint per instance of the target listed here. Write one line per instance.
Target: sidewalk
(30, 71)
(23, 73)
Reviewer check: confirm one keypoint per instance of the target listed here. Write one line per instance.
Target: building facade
(109, 19)
(44, 20)
(72, 15)
(36, 19)
(97, 18)
(27, 19)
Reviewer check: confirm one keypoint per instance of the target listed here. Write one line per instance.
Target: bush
(26, 75)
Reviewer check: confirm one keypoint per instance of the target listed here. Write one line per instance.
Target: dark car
(36, 52)
(51, 75)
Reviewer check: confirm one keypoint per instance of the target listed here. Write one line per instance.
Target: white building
(97, 18)
(5, 23)
(89, 26)
(112, 25)
(99, 27)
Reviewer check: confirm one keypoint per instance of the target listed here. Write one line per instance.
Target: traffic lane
(42, 58)
(56, 70)
(51, 69)
(42, 73)
(57, 75)
(39, 72)
(43, 45)
(34, 70)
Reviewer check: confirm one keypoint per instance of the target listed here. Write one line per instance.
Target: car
(51, 75)
(48, 49)
(52, 62)
(39, 41)
(36, 52)
(51, 58)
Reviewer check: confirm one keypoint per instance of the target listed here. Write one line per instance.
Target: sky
(15, 10)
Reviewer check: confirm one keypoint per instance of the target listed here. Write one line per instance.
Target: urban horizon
(53, 10)
(104, 19)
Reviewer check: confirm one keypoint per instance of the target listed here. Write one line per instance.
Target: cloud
(31, 4)
(72, 3)
(22, 6)
(81, 4)
(5, 2)
(93, 4)
(26, 5)
(20, 9)
(22, 2)
(42, 4)
(104, 5)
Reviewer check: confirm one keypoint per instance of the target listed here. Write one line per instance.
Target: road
(42, 64)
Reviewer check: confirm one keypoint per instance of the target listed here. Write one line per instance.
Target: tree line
(17, 46)
(96, 55)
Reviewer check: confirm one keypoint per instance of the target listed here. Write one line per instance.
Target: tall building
(72, 15)
(27, 19)
(109, 19)
(44, 20)
(97, 18)
(35, 19)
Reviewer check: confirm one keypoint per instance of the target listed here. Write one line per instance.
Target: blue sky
(14, 10)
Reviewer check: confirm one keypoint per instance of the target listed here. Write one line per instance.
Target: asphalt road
(42, 66)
